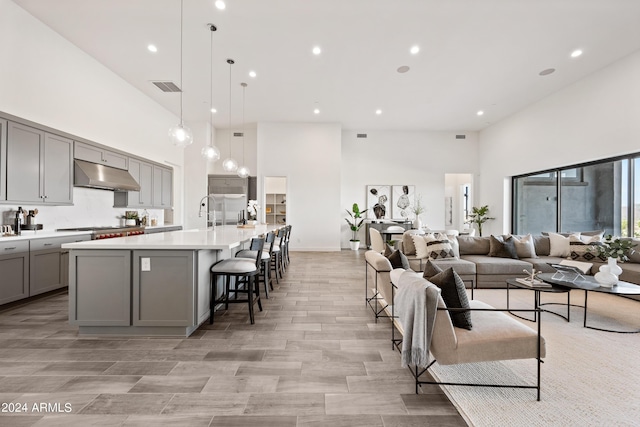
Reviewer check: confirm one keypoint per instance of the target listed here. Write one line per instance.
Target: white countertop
(221, 237)
(41, 234)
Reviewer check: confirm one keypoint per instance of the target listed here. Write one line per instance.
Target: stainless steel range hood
(100, 176)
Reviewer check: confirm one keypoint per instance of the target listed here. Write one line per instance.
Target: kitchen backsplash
(91, 207)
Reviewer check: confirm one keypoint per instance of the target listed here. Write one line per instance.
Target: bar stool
(285, 254)
(267, 253)
(244, 270)
(276, 266)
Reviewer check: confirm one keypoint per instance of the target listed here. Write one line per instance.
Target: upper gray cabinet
(39, 166)
(162, 187)
(142, 172)
(93, 154)
(3, 159)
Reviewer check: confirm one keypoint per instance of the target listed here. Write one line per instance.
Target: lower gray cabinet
(14, 271)
(100, 287)
(163, 288)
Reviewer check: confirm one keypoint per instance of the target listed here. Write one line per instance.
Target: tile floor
(315, 357)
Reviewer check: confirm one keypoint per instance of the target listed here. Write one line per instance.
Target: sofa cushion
(473, 245)
(524, 246)
(541, 245)
(630, 272)
(579, 250)
(460, 266)
(454, 295)
(439, 249)
(543, 263)
(431, 269)
(502, 266)
(399, 260)
(560, 244)
(502, 247)
(408, 247)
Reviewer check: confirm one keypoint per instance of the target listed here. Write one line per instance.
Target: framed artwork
(379, 201)
(403, 198)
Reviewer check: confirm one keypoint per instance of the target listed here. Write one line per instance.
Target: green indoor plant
(355, 221)
(615, 247)
(479, 216)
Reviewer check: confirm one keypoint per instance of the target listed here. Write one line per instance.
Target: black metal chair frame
(417, 372)
(375, 301)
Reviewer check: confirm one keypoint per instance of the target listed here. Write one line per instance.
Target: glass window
(535, 203)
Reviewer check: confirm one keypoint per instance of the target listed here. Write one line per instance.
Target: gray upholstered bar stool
(265, 271)
(246, 272)
(276, 258)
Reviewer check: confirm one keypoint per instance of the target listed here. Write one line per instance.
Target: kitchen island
(149, 284)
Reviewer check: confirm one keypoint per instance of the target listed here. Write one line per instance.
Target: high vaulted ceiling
(474, 55)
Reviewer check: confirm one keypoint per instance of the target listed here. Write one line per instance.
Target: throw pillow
(438, 249)
(399, 260)
(524, 246)
(455, 246)
(388, 250)
(454, 295)
(584, 248)
(408, 246)
(502, 247)
(421, 246)
(430, 270)
(559, 244)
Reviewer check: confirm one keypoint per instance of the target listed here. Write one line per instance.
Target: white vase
(130, 222)
(355, 244)
(607, 277)
(417, 224)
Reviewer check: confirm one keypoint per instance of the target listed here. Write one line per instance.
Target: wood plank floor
(315, 357)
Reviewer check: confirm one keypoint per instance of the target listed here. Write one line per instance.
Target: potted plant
(131, 218)
(418, 210)
(355, 222)
(479, 217)
(614, 249)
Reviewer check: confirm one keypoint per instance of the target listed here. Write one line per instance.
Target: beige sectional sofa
(474, 265)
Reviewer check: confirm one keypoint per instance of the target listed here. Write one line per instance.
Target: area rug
(589, 377)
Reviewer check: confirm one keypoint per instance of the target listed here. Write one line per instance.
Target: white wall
(48, 80)
(195, 176)
(595, 118)
(230, 145)
(397, 158)
(308, 155)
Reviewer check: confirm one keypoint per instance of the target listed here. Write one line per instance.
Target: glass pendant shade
(211, 153)
(180, 135)
(230, 165)
(243, 172)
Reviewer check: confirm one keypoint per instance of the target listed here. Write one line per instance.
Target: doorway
(275, 197)
(458, 198)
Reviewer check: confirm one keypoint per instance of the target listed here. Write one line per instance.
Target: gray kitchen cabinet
(223, 184)
(100, 287)
(95, 154)
(49, 263)
(163, 291)
(3, 159)
(142, 172)
(39, 166)
(14, 271)
(162, 187)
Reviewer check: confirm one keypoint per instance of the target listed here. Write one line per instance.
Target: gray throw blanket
(416, 302)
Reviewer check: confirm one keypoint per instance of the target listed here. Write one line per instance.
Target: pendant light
(229, 164)
(210, 151)
(180, 135)
(243, 171)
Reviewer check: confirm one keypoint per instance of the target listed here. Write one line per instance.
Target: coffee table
(536, 298)
(589, 284)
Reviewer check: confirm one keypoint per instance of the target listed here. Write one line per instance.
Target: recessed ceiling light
(152, 48)
(480, 113)
(316, 50)
(213, 110)
(547, 71)
(414, 49)
(252, 74)
(576, 53)
(316, 111)
(378, 111)
(220, 5)
(403, 69)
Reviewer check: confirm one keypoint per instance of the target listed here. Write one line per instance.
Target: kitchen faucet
(203, 204)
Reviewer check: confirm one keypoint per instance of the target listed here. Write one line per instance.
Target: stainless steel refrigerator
(228, 208)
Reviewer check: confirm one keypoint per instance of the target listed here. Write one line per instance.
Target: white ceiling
(474, 55)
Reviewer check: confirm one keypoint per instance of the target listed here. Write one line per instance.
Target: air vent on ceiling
(238, 134)
(361, 135)
(167, 86)
(461, 136)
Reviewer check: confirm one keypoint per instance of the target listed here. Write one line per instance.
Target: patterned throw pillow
(584, 248)
(439, 249)
(421, 246)
(454, 295)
